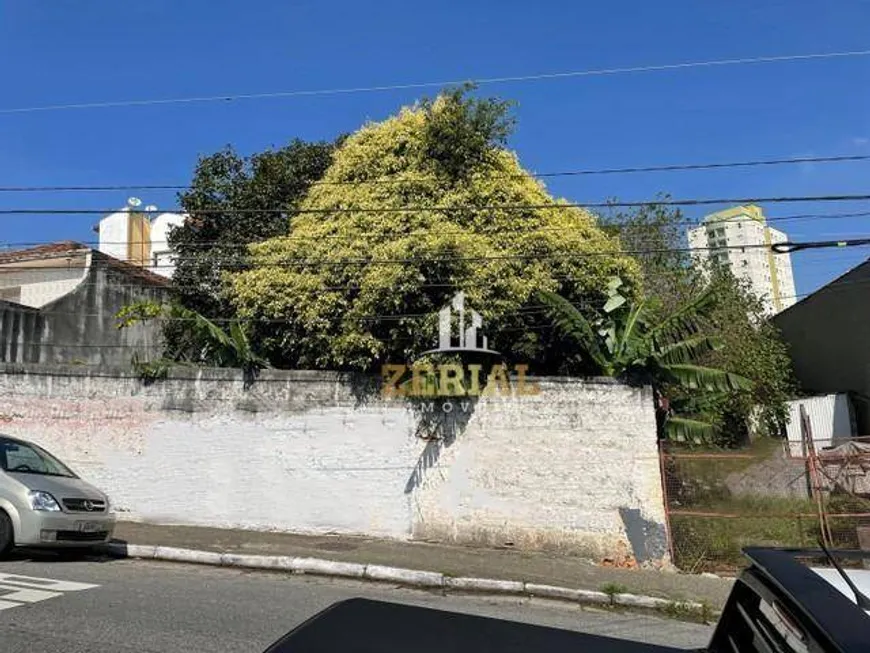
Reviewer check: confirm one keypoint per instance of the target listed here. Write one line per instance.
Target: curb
(404, 577)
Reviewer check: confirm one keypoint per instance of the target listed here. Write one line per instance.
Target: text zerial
(455, 379)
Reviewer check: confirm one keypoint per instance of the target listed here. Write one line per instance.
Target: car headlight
(43, 501)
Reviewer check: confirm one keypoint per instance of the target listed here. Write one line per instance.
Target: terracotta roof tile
(59, 249)
(49, 250)
(142, 274)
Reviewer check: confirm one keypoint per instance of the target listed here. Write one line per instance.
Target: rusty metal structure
(767, 494)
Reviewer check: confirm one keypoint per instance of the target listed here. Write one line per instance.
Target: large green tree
(412, 210)
(750, 344)
(233, 201)
(655, 235)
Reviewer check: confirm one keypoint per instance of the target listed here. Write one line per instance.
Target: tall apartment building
(740, 239)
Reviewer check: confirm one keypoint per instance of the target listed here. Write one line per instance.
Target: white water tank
(126, 234)
(162, 261)
(115, 234)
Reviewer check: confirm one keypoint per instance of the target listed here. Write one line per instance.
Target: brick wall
(573, 468)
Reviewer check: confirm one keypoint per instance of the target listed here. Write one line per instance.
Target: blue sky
(70, 52)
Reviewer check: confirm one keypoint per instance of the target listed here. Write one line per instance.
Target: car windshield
(24, 457)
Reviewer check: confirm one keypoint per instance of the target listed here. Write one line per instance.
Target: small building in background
(828, 338)
(59, 302)
(140, 237)
(740, 238)
(831, 419)
(38, 276)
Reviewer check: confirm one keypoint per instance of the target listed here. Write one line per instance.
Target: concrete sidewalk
(449, 560)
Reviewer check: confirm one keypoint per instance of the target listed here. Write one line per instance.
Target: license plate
(88, 526)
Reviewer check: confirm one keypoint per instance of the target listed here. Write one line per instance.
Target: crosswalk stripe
(16, 590)
(44, 583)
(25, 595)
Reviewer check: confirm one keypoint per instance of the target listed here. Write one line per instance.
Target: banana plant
(626, 342)
(203, 342)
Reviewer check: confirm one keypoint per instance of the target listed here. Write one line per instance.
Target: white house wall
(43, 283)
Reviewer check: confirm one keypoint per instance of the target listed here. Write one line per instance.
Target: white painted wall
(831, 421)
(545, 472)
(42, 293)
(548, 472)
(784, 273)
(41, 285)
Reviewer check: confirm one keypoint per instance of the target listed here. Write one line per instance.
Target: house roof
(826, 334)
(860, 275)
(135, 271)
(69, 247)
(49, 250)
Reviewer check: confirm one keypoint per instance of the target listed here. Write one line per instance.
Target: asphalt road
(126, 605)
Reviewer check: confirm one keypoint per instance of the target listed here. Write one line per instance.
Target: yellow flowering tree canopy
(401, 222)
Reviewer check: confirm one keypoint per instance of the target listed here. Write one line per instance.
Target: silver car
(45, 504)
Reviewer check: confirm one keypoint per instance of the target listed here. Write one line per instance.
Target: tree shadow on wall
(365, 388)
(439, 421)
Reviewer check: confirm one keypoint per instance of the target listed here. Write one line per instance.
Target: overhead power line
(295, 261)
(345, 287)
(539, 175)
(599, 72)
(528, 311)
(467, 207)
(788, 247)
(8, 245)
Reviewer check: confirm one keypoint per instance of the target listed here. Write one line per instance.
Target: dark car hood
(363, 626)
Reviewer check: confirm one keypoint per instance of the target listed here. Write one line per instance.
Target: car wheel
(7, 537)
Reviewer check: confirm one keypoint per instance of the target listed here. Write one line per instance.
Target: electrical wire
(527, 310)
(540, 175)
(789, 247)
(304, 262)
(490, 207)
(290, 262)
(604, 223)
(347, 288)
(531, 310)
(421, 85)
